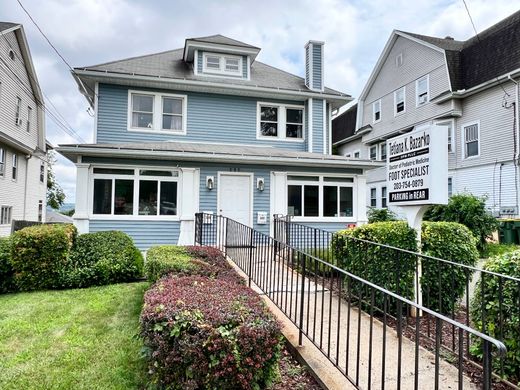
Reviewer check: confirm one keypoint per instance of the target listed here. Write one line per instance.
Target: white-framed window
(135, 192)
(40, 210)
(376, 111)
(399, 101)
(157, 112)
(372, 152)
(280, 121)
(422, 90)
(2, 162)
(399, 60)
(451, 133)
(222, 64)
(383, 198)
(471, 139)
(29, 115)
(348, 155)
(320, 196)
(373, 197)
(5, 215)
(382, 151)
(14, 162)
(42, 171)
(450, 187)
(18, 108)
(357, 154)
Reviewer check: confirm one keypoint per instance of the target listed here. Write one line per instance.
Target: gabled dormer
(220, 56)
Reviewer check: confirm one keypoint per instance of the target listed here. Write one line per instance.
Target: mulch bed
(293, 375)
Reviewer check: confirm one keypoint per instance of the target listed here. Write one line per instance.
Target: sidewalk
(323, 314)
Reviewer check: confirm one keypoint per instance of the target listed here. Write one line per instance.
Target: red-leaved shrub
(209, 333)
(211, 262)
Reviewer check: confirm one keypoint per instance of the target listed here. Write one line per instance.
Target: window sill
(153, 131)
(278, 139)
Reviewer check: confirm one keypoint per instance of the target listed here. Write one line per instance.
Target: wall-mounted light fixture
(210, 182)
(260, 185)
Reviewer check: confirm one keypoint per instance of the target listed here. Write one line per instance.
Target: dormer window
(222, 64)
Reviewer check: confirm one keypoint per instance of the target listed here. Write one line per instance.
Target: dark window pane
(377, 115)
(142, 120)
(472, 149)
(113, 171)
(147, 197)
(330, 201)
(345, 202)
(294, 115)
(269, 129)
(294, 131)
(310, 201)
(145, 172)
(294, 200)
(142, 103)
(102, 196)
(172, 106)
(172, 122)
(124, 197)
(269, 114)
(168, 198)
(400, 107)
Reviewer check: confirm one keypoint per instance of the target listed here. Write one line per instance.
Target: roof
(222, 40)
(7, 25)
(188, 151)
(170, 66)
(483, 57)
(344, 125)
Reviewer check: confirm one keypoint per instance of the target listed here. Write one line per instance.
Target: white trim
(322, 67)
(330, 129)
(356, 151)
(463, 139)
(324, 131)
(196, 62)
(404, 101)
(310, 126)
(96, 108)
(222, 71)
(447, 70)
(308, 47)
(251, 188)
(417, 104)
(281, 124)
(248, 78)
(157, 113)
(376, 146)
(374, 111)
(452, 121)
(219, 47)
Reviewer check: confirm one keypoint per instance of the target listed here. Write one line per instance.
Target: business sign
(417, 167)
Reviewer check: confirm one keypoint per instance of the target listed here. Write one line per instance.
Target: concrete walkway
(343, 333)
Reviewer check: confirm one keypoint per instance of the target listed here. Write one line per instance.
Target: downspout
(517, 127)
(27, 158)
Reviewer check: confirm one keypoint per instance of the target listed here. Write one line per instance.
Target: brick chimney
(314, 65)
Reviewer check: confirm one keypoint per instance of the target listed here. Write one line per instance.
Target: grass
(80, 339)
(496, 249)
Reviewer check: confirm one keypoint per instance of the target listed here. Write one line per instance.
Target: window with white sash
(225, 64)
(5, 215)
(471, 139)
(422, 90)
(2, 162)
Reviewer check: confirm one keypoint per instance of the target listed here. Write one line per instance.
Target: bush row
(394, 270)
(53, 256)
(201, 327)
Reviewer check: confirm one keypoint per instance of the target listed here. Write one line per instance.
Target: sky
(88, 32)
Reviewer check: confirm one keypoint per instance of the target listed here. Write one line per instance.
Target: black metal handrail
(431, 297)
(330, 307)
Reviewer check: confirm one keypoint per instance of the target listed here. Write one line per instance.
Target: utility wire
(56, 117)
(54, 47)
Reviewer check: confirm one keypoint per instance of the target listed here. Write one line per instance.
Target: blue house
(209, 128)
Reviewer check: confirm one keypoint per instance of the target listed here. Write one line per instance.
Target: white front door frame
(251, 190)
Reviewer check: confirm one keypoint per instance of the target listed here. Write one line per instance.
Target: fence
(362, 328)
(447, 286)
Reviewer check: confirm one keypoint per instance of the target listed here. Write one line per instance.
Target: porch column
(361, 200)
(81, 220)
(189, 204)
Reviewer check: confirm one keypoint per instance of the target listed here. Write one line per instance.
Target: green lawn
(72, 339)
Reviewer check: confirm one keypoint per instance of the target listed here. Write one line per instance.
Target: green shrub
(380, 215)
(202, 333)
(507, 312)
(165, 259)
(385, 267)
(468, 210)
(103, 258)
(6, 269)
(39, 254)
(449, 241)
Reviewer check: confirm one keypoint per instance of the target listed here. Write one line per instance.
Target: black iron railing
(362, 328)
(444, 286)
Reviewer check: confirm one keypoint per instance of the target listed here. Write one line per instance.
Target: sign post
(417, 177)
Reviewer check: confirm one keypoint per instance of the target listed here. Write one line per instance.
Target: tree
(55, 194)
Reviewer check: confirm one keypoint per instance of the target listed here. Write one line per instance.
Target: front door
(234, 197)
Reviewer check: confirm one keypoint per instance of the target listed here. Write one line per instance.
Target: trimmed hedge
(209, 333)
(102, 258)
(448, 241)
(6, 269)
(380, 215)
(507, 264)
(39, 254)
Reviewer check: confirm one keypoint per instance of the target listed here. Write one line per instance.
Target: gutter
(517, 120)
(69, 151)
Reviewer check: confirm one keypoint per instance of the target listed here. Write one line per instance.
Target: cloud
(87, 32)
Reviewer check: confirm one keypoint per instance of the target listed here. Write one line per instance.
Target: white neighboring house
(23, 149)
(470, 86)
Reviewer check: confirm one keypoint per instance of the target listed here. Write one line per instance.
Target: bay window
(135, 192)
(279, 121)
(319, 196)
